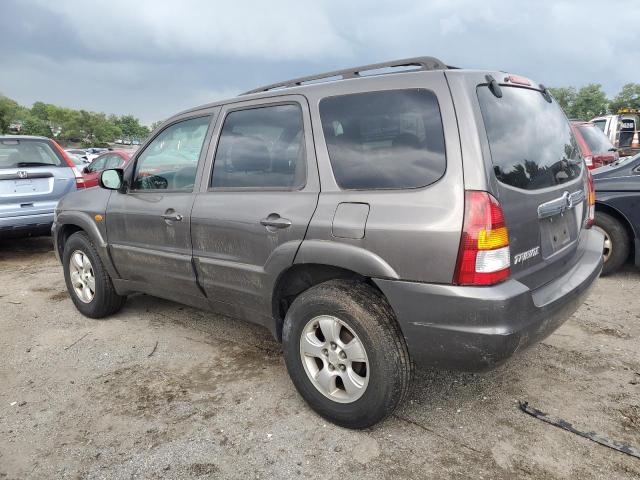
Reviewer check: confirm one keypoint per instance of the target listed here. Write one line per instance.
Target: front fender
(73, 219)
(343, 255)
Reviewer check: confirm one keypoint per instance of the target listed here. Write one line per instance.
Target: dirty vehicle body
(34, 174)
(369, 222)
(618, 212)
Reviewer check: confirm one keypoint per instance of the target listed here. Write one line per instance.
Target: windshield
(27, 153)
(530, 139)
(596, 140)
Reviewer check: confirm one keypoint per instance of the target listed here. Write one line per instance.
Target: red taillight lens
(483, 257)
(591, 201)
(77, 173)
(589, 161)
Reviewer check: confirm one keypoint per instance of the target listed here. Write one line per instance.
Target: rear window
(596, 140)
(530, 139)
(384, 140)
(601, 124)
(27, 153)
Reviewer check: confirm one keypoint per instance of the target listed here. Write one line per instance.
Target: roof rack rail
(425, 63)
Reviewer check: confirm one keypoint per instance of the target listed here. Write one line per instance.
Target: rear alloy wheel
(334, 358)
(345, 353)
(616, 246)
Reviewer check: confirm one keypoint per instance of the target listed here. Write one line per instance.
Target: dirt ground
(82, 398)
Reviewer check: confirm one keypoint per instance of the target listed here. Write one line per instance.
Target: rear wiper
(34, 164)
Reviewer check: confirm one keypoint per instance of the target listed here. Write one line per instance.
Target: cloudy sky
(153, 58)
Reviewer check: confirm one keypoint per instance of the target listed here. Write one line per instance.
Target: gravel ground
(82, 398)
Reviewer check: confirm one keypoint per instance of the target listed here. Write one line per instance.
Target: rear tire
(617, 244)
(88, 282)
(363, 316)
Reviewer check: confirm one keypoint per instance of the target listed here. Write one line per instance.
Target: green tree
(36, 126)
(590, 102)
(628, 97)
(8, 109)
(566, 98)
(156, 124)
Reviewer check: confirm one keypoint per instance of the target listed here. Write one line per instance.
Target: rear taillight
(76, 172)
(483, 257)
(589, 161)
(591, 201)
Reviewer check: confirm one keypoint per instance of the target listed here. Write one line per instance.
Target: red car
(596, 148)
(110, 159)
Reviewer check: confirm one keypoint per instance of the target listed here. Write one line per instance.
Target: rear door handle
(275, 221)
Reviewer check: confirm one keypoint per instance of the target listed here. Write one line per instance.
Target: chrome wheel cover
(334, 359)
(82, 277)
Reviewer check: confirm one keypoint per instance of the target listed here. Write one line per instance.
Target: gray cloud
(154, 58)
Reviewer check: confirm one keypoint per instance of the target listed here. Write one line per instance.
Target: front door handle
(172, 216)
(275, 221)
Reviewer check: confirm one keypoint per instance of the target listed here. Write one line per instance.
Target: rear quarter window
(595, 138)
(531, 142)
(384, 140)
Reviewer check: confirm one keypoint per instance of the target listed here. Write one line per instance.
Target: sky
(153, 58)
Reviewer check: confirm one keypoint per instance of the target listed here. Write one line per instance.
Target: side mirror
(112, 179)
(86, 169)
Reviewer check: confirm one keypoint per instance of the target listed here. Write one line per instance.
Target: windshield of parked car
(27, 153)
(530, 139)
(596, 140)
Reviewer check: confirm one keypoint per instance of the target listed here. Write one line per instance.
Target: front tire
(616, 242)
(345, 353)
(88, 282)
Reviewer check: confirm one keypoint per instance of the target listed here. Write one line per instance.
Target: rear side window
(531, 142)
(601, 124)
(27, 153)
(384, 140)
(261, 148)
(596, 140)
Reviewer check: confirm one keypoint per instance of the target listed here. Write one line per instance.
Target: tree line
(590, 101)
(93, 129)
(67, 125)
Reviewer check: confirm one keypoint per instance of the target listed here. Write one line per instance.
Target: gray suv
(370, 218)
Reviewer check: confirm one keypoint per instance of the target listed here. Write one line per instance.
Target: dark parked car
(370, 223)
(618, 211)
(111, 159)
(596, 148)
(34, 174)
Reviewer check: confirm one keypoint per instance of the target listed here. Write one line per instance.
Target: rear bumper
(476, 328)
(39, 224)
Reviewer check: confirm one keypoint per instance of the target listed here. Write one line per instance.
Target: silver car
(431, 216)
(35, 173)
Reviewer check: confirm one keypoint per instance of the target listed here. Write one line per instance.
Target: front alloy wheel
(334, 359)
(82, 277)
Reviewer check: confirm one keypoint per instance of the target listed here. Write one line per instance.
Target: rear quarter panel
(413, 233)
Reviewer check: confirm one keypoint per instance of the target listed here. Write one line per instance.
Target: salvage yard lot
(166, 391)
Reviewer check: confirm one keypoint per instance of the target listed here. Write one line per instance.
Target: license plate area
(25, 186)
(557, 232)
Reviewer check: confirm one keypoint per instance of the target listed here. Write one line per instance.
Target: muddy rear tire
(345, 353)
